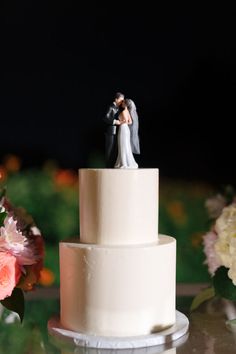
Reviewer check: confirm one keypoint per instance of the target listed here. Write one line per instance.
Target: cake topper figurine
(122, 139)
(112, 123)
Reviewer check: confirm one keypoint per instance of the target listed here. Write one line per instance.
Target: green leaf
(2, 192)
(203, 296)
(15, 302)
(231, 324)
(223, 285)
(2, 218)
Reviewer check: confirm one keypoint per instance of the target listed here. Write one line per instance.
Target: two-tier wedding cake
(119, 280)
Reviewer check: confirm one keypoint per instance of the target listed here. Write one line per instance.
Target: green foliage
(31, 336)
(231, 325)
(54, 208)
(15, 302)
(2, 218)
(2, 192)
(51, 261)
(203, 296)
(182, 215)
(223, 285)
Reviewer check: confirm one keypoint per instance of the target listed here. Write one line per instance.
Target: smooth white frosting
(118, 291)
(118, 206)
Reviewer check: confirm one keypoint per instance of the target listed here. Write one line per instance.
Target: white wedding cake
(119, 280)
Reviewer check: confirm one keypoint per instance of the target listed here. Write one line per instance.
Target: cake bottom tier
(118, 291)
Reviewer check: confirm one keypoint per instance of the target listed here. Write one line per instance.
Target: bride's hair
(130, 104)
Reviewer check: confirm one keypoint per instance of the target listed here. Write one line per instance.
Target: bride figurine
(125, 158)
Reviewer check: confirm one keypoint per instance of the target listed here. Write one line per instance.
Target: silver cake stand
(173, 333)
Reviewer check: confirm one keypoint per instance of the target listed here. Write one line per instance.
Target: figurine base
(179, 329)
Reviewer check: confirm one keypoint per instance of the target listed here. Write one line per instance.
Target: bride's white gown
(125, 157)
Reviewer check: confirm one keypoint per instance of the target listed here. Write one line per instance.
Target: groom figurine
(112, 123)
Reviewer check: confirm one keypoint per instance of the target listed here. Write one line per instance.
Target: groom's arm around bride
(112, 122)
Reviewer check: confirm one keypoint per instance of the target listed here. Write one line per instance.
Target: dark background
(62, 64)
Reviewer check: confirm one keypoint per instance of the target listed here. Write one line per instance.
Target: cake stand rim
(168, 335)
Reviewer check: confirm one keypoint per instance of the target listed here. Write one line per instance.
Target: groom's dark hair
(119, 94)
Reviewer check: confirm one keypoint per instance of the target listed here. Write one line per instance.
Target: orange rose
(9, 274)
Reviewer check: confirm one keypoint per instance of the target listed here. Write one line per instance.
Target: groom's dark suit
(111, 134)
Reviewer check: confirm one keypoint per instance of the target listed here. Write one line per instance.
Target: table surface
(209, 331)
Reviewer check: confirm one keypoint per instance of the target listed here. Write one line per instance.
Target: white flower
(215, 205)
(13, 241)
(10, 237)
(225, 246)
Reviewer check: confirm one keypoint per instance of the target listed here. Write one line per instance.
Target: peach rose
(9, 274)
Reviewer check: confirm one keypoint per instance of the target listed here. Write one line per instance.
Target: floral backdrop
(50, 195)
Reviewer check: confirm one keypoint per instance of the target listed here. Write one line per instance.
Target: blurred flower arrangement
(219, 246)
(46, 188)
(21, 255)
(50, 194)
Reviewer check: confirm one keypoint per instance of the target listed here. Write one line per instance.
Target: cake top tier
(118, 206)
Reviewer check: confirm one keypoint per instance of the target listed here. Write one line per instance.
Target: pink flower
(9, 274)
(212, 259)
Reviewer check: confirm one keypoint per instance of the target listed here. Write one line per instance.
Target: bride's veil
(134, 127)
